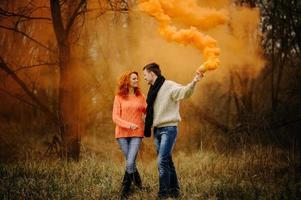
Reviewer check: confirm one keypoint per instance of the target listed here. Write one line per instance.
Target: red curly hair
(123, 88)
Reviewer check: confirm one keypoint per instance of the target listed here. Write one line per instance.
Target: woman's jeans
(165, 138)
(130, 147)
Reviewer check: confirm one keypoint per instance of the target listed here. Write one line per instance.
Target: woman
(128, 115)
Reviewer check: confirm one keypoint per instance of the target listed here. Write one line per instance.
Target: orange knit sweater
(126, 112)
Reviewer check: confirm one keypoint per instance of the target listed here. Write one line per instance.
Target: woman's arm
(144, 105)
(117, 116)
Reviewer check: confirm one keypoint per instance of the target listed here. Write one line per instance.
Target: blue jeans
(130, 147)
(165, 139)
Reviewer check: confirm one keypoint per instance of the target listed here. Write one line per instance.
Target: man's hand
(197, 77)
(133, 127)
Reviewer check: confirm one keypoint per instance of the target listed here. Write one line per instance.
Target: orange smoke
(190, 14)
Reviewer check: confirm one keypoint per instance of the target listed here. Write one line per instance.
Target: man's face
(148, 76)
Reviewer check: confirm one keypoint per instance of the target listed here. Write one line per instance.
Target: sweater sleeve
(116, 115)
(180, 92)
(144, 104)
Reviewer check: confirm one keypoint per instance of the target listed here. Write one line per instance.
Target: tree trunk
(68, 106)
(69, 84)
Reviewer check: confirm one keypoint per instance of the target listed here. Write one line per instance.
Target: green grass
(258, 174)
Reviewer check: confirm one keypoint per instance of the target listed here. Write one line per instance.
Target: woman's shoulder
(118, 97)
(142, 95)
(129, 97)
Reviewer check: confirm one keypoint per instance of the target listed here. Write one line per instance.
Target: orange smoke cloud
(190, 14)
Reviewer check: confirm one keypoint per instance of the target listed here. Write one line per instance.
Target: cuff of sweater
(191, 86)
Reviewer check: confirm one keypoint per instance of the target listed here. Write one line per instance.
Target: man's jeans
(165, 138)
(130, 147)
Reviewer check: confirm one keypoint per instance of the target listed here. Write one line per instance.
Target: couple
(161, 111)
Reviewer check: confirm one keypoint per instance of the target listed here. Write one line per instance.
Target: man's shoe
(175, 193)
(161, 197)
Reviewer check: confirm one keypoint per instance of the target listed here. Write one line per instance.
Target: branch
(57, 21)
(74, 15)
(286, 123)
(22, 84)
(27, 36)
(202, 115)
(120, 6)
(35, 65)
(12, 14)
(17, 97)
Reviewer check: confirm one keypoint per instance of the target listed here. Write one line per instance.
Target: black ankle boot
(175, 193)
(126, 185)
(137, 180)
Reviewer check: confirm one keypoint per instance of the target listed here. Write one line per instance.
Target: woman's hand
(143, 117)
(133, 127)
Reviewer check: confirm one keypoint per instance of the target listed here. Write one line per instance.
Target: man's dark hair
(153, 67)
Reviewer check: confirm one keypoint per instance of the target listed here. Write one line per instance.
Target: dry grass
(251, 172)
(260, 173)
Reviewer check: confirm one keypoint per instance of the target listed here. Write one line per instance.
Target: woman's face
(133, 80)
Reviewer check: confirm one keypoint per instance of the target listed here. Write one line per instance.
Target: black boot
(126, 185)
(175, 193)
(137, 180)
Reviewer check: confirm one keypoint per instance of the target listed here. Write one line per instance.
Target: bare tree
(69, 94)
(64, 16)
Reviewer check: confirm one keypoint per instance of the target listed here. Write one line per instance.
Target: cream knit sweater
(166, 106)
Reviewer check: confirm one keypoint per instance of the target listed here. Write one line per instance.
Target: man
(162, 113)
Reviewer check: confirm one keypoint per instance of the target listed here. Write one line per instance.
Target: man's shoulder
(168, 86)
(170, 83)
